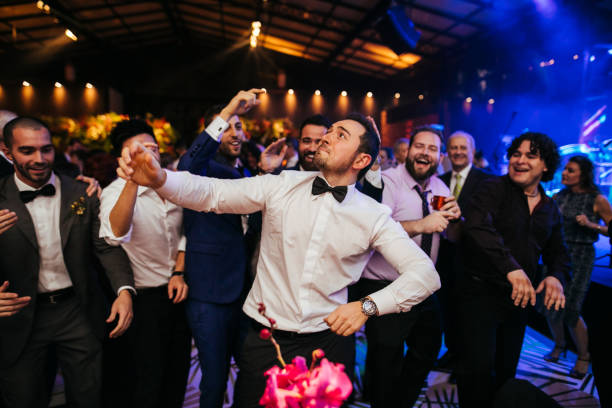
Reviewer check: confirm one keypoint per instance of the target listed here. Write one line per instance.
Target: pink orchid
(328, 387)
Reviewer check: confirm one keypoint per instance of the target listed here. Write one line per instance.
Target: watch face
(369, 307)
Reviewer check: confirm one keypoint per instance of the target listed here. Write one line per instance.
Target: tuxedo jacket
(450, 263)
(216, 256)
(81, 245)
(6, 168)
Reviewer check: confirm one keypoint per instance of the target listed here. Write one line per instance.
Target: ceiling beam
(67, 18)
(178, 32)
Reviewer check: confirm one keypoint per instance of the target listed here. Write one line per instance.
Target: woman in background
(582, 207)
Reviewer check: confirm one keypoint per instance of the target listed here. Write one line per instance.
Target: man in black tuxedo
(49, 296)
(462, 181)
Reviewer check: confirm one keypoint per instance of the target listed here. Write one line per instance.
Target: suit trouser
(64, 327)
(395, 378)
(218, 331)
(158, 345)
(260, 355)
(491, 338)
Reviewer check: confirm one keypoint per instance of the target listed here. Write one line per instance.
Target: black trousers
(395, 378)
(153, 357)
(260, 355)
(491, 338)
(63, 327)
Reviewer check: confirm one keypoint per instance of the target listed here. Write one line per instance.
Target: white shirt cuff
(216, 128)
(385, 303)
(127, 287)
(172, 184)
(182, 244)
(374, 177)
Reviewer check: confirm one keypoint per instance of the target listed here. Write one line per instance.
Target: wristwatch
(177, 273)
(368, 307)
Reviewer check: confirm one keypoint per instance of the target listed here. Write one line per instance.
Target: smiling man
(49, 298)
(509, 224)
(318, 232)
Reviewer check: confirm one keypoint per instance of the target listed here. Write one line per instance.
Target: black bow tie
(319, 186)
(29, 195)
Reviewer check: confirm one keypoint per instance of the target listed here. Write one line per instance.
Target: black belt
(152, 290)
(56, 296)
(288, 334)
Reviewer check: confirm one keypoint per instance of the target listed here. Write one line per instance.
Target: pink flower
(265, 334)
(329, 386)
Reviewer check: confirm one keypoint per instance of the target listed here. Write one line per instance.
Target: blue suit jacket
(216, 255)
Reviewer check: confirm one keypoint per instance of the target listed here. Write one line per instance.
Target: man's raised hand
(273, 156)
(138, 164)
(241, 103)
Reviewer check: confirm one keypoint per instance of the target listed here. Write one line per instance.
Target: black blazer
(19, 262)
(450, 261)
(6, 168)
(474, 178)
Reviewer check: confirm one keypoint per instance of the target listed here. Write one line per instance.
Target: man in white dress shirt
(317, 236)
(149, 229)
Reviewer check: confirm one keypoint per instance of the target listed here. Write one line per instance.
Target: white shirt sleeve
(222, 196)
(108, 199)
(182, 244)
(216, 128)
(418, 277)
(374, 177)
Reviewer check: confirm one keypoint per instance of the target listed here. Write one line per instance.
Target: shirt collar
(464, 172)
(21, 186)
(411, 182)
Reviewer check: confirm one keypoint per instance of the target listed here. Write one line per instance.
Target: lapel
(70, 194)
(14, 203)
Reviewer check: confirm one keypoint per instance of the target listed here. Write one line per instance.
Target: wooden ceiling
(334, 33)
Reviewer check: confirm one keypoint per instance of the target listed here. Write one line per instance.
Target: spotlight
(344, 93)
(253, 41)
(491, 101)
(369, 94)
(70, 35)
(290, 92)
(592, 58)
(25, 83)
(551, 61)
(317, 92)
(88, 86)
(610, 51)
(468, 99)
(397, 95)
(58, 85)
(256, 24)
(575, 57)
(421, 97)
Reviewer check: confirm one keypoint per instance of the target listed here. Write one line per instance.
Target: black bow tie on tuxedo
(29, 195)
(319, 186)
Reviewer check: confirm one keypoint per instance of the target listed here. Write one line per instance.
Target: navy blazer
(216, 254)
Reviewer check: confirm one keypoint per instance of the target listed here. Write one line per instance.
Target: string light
(317, 92)
(491, 101)
(468, 99)
(421, 97)
(397, 95)
(25, 83)
(344, 93)
(290, 92)
(369, 94)
(58, 85)
(70, 35)
(88, 86)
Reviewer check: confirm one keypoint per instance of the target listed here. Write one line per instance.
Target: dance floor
(550, 377)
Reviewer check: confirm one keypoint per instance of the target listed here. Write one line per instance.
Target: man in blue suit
(216, 262)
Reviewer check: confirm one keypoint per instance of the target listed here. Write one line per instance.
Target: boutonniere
(78, 206)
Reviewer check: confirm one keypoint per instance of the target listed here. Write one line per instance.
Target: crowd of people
(330, 231)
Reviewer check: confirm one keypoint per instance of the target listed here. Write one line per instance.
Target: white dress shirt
(45, 212)
(154, 238)
(312, 247)
(464, 173)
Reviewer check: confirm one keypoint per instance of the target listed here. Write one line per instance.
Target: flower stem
(278, 352)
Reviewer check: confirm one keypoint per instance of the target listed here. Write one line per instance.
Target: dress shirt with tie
(45, 213)
(312, 246)
(154, 238)
(401, 195)
(456, 183)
